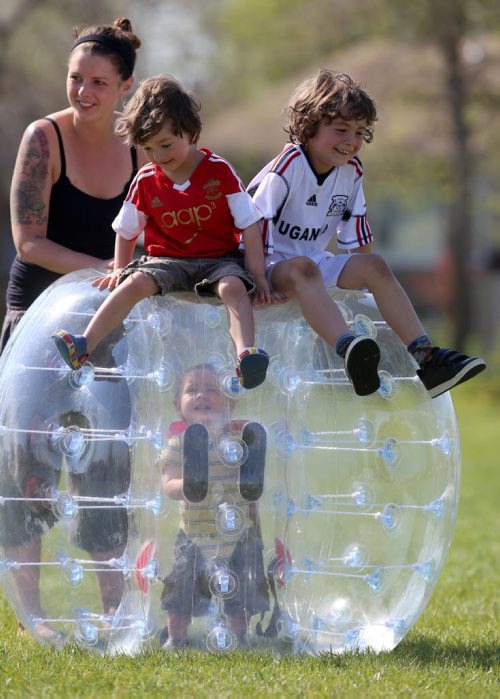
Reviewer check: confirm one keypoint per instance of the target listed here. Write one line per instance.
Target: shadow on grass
(421, 652)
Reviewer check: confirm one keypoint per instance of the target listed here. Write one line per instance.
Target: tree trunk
(450, 35)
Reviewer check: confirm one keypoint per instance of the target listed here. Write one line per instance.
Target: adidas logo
(156, 202)
(312, 201)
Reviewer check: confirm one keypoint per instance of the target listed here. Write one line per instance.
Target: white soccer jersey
(300, 215)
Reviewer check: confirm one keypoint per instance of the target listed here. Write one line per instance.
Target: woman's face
(93, 85)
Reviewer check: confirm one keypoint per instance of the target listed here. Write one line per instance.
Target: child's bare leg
(118, 305)
(27, 584)
(110, 581)
(252, 362)
(301, 278)
(178, 625)
(370, 271)
(27, 578)
(233, 294)
(239, 624)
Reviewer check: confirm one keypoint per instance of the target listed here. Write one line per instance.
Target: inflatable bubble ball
(148, 500)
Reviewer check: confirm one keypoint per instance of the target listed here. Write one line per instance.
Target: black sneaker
(251, 480)
(361, 362)
(447, 368)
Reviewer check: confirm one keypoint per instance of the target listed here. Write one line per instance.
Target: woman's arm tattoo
(28, 205)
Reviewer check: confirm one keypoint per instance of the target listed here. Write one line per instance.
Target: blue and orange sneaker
(72, 348)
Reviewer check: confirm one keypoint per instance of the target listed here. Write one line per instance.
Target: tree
(276, 37)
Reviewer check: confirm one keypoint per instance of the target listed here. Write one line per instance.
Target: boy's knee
(377, 267)
(301, 270)
(231, 287)
(141, 284)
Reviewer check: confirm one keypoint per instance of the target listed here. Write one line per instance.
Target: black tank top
(76, 220)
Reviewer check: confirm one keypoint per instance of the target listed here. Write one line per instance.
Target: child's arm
(255, 264)
(124, 252)
(172, 481)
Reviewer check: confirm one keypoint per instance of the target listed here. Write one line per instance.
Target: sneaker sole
(252, 369)
(195, 463)
(473, 368)
(251, 480)
(364, 354)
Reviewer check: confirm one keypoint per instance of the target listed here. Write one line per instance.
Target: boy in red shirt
(193, 210)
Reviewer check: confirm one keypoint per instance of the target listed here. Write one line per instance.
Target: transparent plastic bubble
(346, 312)
(221, 640)
(230, 384)
(164, 376)
(64, 506)
(365, 431)
(356, 556)
(388, 386)
(74, 573)
(72, 441)
(232, 451)
(230, 519)
(213, 316)
(82, 376)
(87, 634)
(348, 503)
(224, 583)
(161, 322)
(391, 517)
(364, 326)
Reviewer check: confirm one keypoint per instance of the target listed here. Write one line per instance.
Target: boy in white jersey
(207, 488)
(193, 210)
(313, 191)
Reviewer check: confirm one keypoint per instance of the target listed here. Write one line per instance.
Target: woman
(71, 175)
(72, 161)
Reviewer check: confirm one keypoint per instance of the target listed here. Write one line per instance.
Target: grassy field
(453, 651)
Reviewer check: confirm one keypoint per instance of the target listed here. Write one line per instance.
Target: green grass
(453, 650)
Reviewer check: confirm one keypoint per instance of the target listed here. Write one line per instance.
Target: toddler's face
(335, 143)
(200, 399)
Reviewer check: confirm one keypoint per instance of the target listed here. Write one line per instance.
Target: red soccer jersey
(201, 218)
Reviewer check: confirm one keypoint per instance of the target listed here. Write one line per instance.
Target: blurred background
(432, 178)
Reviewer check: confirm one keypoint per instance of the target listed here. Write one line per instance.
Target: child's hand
(262, 293)
(108, 281)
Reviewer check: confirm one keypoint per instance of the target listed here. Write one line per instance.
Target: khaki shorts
(198, 274)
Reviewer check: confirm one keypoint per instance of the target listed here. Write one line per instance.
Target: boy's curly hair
(158, 100)
(328, 95)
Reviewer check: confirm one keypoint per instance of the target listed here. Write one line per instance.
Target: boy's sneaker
(72, 348)
(195, 463)
(447, 368)
(251, 480)
(252, 366)
(361, 361)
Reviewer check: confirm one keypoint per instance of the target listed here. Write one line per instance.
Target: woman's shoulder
(44, 126)
(45, 123)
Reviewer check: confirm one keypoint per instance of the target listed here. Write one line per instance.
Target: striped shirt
(198, 520)
(303, 212)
